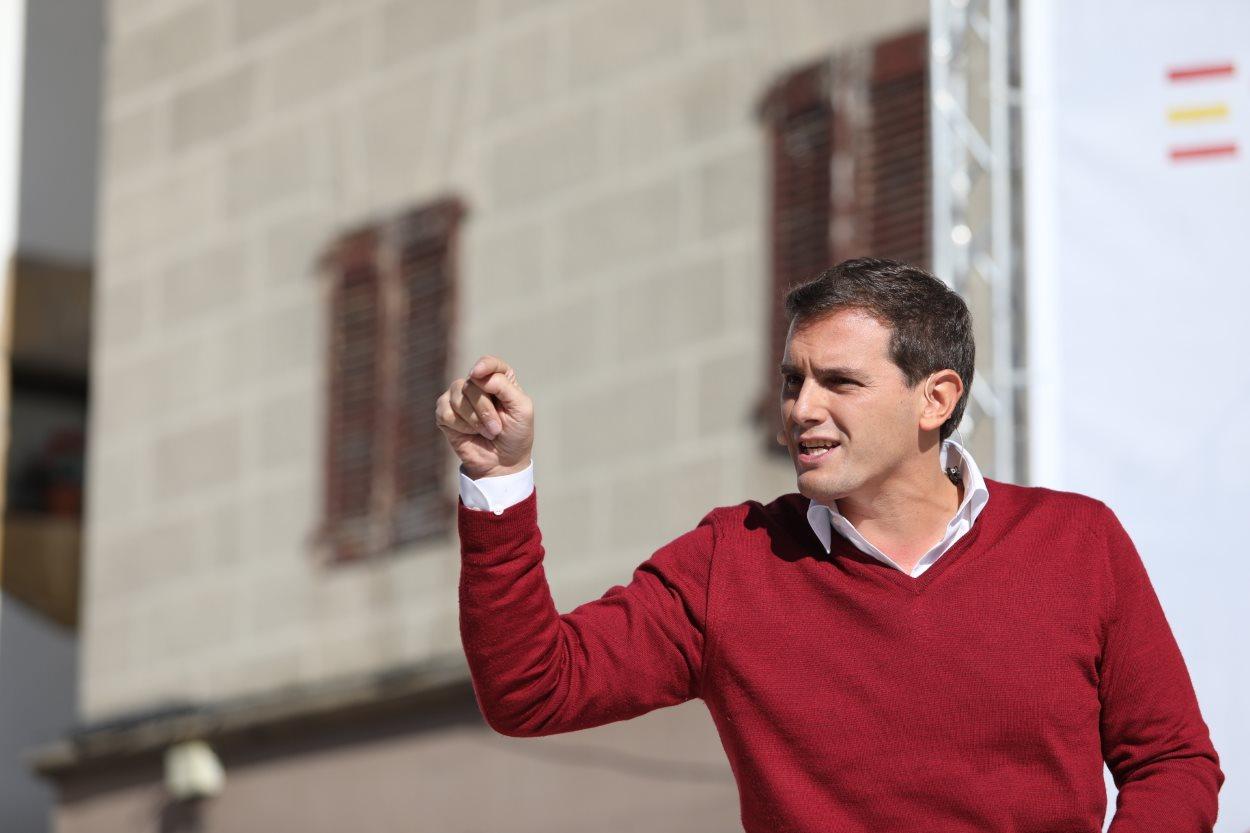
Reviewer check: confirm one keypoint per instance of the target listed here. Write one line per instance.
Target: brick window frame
(848, 152)
(391, 307)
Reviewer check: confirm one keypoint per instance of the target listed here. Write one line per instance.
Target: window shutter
(425, 242)
(799, 118)
(895, 161)
(849, 150)
(354, 380)
(391, 289)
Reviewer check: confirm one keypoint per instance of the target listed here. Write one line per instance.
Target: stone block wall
(614, 251)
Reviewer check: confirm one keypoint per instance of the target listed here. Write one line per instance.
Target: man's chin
(818, 486)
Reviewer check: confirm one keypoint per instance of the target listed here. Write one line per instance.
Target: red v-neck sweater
(983, 695)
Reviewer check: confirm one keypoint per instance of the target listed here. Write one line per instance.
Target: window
(392, 297)
(848, 144)
(48, 399)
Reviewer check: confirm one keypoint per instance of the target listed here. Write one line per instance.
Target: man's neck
(905, 517)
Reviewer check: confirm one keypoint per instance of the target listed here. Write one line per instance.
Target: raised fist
(488, 420)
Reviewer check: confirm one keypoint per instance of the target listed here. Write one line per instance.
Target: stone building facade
(613, 169)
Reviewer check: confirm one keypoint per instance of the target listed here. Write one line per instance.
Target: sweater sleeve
(1154, 739)
(537, 672)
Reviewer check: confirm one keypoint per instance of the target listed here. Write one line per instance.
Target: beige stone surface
(614, 250)
(663, 771)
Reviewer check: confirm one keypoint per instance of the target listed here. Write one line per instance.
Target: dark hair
(931, 326)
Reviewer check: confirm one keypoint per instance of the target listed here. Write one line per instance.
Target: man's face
(839, 385)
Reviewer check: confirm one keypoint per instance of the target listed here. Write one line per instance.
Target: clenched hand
(487, 419)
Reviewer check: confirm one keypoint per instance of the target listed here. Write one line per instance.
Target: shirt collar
(820, 516)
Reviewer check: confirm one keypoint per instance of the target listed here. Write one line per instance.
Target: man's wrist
(495, 471)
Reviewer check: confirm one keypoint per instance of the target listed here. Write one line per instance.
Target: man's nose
(806, 407)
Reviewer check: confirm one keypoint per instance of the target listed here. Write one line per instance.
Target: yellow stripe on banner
(1210, 112)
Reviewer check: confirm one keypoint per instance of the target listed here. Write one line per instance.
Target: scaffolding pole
(974, 98)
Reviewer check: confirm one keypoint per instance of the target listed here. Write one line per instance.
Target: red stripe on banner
(1196, 72)
(1202, 151)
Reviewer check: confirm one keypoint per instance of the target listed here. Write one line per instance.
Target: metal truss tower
(976, 193)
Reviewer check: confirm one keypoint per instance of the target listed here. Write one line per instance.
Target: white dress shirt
(823, 518)
(498, 493)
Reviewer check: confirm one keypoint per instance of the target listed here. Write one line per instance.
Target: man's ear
(941, 391)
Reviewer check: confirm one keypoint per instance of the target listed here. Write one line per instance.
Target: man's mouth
(812, 452)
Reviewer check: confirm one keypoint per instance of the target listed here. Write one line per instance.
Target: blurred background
(249, 243)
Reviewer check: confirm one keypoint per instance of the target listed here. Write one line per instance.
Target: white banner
(1137, 182)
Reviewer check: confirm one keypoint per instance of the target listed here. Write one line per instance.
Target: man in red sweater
(963, 655)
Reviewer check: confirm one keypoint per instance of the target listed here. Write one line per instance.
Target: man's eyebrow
(824, 372)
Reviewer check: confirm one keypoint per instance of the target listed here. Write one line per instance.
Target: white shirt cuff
(499, 492)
